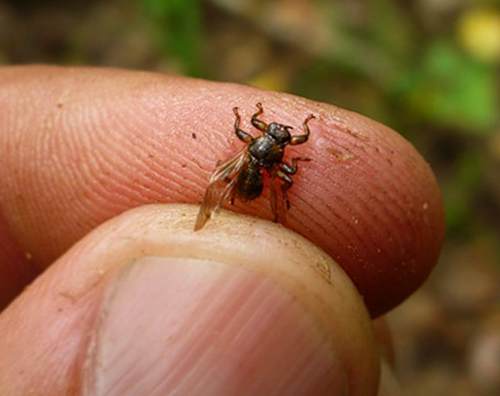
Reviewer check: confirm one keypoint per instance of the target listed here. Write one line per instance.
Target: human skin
(82, 146)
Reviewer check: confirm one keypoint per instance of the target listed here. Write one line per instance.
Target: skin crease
(80, 146)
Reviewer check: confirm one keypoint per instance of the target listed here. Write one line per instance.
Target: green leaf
(452, 90)
(181, 29)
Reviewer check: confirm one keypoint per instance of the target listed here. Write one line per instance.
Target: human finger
(143, 305)
(80, 146)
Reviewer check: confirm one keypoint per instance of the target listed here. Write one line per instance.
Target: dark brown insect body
(243, 175)
(250, 182)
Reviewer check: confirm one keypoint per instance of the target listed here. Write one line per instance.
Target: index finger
(80, 146)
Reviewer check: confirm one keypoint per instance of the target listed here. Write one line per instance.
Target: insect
(243, 175)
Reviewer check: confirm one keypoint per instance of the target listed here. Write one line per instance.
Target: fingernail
(176, 326)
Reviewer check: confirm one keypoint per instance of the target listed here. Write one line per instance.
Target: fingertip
(122, 139)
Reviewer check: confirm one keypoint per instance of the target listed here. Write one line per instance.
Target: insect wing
(221, 187)
(277, 199)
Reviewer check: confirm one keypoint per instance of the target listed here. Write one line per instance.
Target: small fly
(243, 175)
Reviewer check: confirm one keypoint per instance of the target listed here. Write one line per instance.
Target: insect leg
(288, 182)
(259, 124)
(242, 135)
(284, 172)
(303, 138)
(292, 169)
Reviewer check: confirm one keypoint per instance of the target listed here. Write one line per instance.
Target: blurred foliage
(179, 24)
(457, 188)
(452, 90)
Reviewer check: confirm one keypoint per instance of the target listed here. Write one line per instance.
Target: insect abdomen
(250, 182)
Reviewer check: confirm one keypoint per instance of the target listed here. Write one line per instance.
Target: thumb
(143, 305)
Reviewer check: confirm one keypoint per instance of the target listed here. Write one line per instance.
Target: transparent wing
(221, 187)
(277, 199)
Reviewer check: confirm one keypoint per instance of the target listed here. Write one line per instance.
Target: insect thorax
(266, 151)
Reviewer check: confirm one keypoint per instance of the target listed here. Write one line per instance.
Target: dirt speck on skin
(339, 155)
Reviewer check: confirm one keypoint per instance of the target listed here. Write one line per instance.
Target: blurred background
(427, 68)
